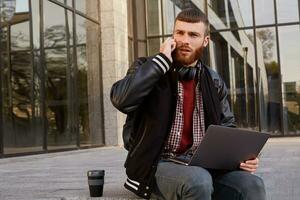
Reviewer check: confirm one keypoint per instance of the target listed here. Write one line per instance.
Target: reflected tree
(18, 98)
(267, 38)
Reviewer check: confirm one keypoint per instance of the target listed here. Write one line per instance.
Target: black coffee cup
(96, 182)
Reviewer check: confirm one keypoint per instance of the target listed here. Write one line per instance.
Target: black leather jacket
(148, 94)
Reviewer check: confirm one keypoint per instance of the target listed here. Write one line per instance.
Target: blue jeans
(175, 181)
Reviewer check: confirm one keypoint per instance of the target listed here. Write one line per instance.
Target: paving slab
(62, 176)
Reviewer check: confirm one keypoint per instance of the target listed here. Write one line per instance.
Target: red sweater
(188, 108)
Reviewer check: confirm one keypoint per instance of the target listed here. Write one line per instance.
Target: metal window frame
(42, 65)
(279, 65)
(257, 74)
(74, 86)
(1, 96)
(74, 10)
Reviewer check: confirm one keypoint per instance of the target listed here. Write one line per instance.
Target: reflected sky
(289, 43)
(289, 36)
(22, 6)
(246, 11)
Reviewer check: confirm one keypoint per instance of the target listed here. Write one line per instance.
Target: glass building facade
(50, 60)
(44, 76)
(253, 45)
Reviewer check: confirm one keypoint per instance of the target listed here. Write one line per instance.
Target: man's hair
(192, 15)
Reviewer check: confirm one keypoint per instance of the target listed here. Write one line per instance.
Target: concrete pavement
(62, 176)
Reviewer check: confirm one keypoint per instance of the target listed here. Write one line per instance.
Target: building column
(114, 40)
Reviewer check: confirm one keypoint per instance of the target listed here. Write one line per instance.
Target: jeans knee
(198, 186)
(254, 188)
(258, 185)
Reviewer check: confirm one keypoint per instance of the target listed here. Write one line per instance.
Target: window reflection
(153, 13)
(244, 7)
(67, 112)
(86, 34)
(267, 55)
(19, 135)
(219, 57)
(239, 103)
(88, 7)
(230, 14)
(289, 42)
(264, 12)
(287, 11)
(236, 67)
(153, 45)
(58, 98)
(22, 6)
(58, 26)
(218, 6)
(169, 16)
(35, 14)
(17, 87)
(58, 57)
(20, 36)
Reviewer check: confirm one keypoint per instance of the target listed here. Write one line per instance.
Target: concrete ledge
(62, 176)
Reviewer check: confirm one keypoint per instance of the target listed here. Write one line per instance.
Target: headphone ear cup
(187, 73)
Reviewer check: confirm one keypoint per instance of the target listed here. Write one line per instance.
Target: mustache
(183, 47)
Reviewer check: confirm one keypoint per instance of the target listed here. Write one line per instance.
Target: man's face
(190, 41)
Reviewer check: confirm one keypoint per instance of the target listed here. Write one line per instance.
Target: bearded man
(170, 99)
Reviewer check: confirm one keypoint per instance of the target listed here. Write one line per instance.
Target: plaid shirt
(173, 141)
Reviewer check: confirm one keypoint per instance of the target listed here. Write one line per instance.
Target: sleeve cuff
(162, 62)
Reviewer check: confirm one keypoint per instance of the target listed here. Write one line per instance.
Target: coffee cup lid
(95, 173)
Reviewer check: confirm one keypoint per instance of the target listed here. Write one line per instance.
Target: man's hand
(250, 165)
(167, 47)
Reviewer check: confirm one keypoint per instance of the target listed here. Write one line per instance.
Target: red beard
(186, 59)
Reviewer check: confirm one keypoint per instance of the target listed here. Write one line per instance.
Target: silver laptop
(225, 148)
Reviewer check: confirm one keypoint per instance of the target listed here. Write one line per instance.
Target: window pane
(59, 87)
(20, 36)
(264, 12)
(239, 14)
(248, 53)
(130, 19)
(267, 61)
(244, 106)
(88, 83)
(153, 46)
(19, 134)
(287, 11)
(88, 7)
(219, 57)
(289, 42)
(243, 8)
(22, 6)
(168, 16)
(35, 24)
(142, 49)
(58, 26)
(235, 62)
(218, 10)
(154, 17)
(140, 20)
(239, 103)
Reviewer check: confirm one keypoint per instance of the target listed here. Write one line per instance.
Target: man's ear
(206, 41)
